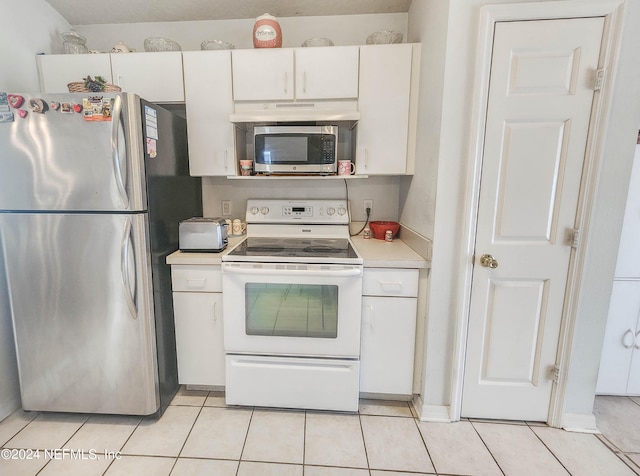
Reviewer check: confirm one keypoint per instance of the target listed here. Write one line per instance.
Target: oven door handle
(226, 268)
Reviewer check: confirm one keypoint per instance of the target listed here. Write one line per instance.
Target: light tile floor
(199, 435)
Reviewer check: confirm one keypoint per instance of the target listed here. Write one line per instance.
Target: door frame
(612, 11)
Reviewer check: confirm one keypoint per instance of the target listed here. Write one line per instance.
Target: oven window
(292, 310)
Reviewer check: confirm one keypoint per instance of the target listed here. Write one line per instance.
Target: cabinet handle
(366, 158)
(637, 342)
(304, 82)
(624, 337)
(226, 158)
(391, 284)
(215, 310)
(196, 283)
(286, 78)
(119, 79)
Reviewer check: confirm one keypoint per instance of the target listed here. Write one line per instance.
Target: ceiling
(90, 12)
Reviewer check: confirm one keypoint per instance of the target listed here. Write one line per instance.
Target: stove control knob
(342, 211)
(254, 210)
(331, 211)
(264, 210)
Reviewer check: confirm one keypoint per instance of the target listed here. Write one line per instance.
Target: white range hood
(293, 111)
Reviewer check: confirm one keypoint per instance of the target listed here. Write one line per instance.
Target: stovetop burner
(329, 249)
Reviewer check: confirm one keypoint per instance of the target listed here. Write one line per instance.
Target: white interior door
(538, 114)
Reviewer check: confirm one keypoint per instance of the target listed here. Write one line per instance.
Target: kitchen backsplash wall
(341, 29)
(384, 191)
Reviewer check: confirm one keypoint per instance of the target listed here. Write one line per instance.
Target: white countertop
(375, 253)
(182, 257)
(388, 254)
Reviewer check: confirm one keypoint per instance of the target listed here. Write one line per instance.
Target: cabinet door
(262, 74)
(628, 264)
(152, 76)
(208, 93)
(384, 103)
(56, 71)
(387, 345)
(327, 72)
(619, 338)
(199, 338)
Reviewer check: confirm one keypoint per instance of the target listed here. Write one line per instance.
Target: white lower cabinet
(389, 306)
(620, 362)
(197, 304)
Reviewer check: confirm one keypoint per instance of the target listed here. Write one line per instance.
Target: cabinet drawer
(196, 278)
(390, 282)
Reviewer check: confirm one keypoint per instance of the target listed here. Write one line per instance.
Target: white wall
(342, 30)
(384, 192)
(28, 28)
(607, 218)
(448, 213)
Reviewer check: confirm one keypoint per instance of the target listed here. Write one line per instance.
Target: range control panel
(332, 212)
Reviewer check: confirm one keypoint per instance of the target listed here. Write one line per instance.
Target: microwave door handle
(294, 272)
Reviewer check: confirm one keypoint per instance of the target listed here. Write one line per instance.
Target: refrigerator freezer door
(55, 160)
(82, 311)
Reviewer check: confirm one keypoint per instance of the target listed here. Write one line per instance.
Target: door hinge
(554, 372)
(599, 81)
(574, 237)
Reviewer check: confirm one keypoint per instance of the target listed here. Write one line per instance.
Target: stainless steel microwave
(296, 149)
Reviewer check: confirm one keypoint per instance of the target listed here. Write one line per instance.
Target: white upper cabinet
(263, 74)
(387, 103)
(295, 73)
(327, 72)
(56, 71)
(208, 93)
(153, 76)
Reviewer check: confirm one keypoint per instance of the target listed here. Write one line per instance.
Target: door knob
(488, 261)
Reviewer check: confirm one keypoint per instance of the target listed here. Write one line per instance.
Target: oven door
(292, 309)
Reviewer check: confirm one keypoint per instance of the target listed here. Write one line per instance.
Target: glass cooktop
(300, 249)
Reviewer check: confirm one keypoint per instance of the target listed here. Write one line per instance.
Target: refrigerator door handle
(115, 150)
(125, 250)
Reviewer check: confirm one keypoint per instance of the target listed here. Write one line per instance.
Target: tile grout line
(486, 446)
(304, 442)
(190, 429)
(35, 415)
(246, 436)
(548, 449)
(364, 441)
(424, 442)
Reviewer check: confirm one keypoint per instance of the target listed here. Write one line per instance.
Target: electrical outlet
(368, 203)
(226, 208)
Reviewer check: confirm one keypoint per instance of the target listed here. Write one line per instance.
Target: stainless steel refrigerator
(92, 188)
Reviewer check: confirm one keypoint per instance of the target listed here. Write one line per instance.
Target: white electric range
(292, 308)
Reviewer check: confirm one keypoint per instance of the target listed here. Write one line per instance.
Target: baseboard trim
(580, 423)
(8, 407)
(434, 413)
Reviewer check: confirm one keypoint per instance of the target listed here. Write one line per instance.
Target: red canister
(267, 32)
